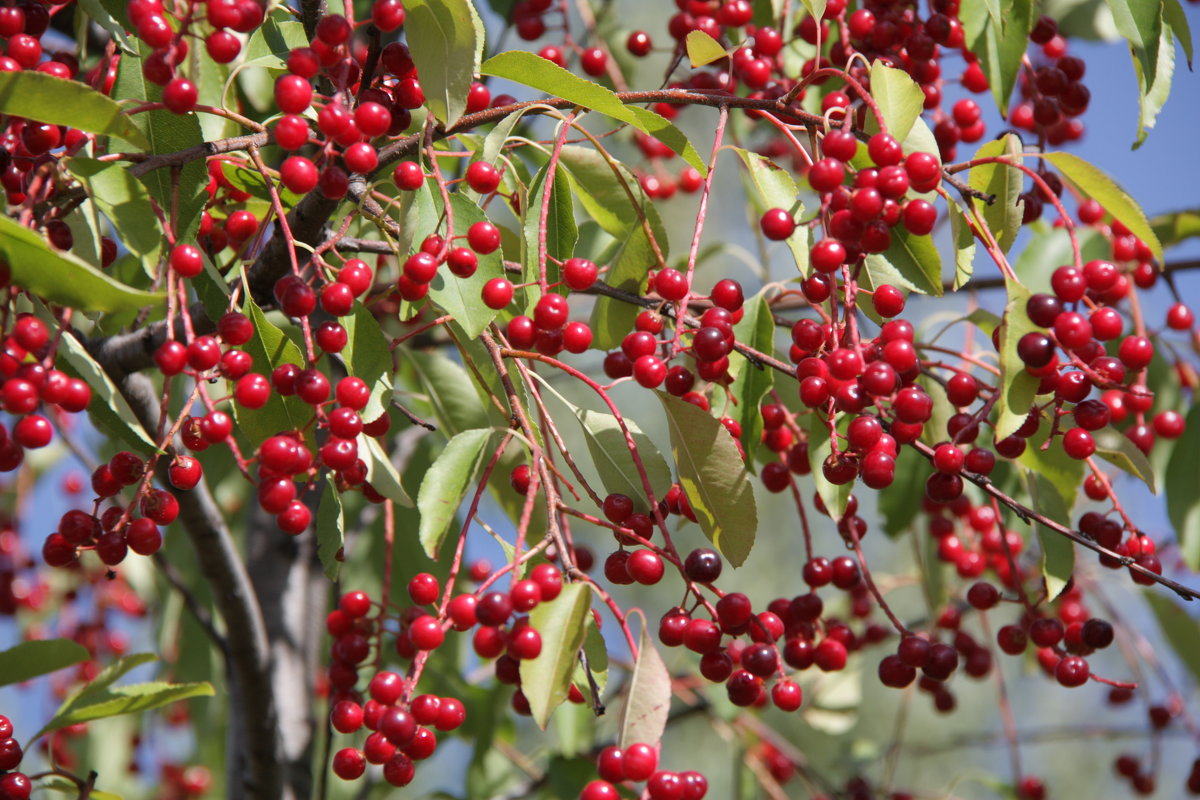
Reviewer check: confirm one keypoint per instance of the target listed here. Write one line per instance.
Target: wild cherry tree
(497, 402)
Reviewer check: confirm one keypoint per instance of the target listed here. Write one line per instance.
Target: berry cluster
(14, 785)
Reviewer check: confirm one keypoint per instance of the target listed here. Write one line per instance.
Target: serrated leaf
(331, 530)
(46, 98)
(562, 622)
(61, 277)
(1178, 226)
(446, 483)
(820, 447)
(597, 656)
(1017, 386)
(610, 454)
(166, 132)
(368, 356)
(900, 502)
(1116, 448)
(752, 382)
(453, 395)
(1173, 15)
(446, 40)
(648, 704)
(1183, 501)
(1057, 469)
(1003, 217)
(131, 699)
(777, 189)
(462, 298)
(534, 71)
(1180, 628)
(124, 200)
(39, 657)
(899, 98)
(560, 230)
(108, 407)
(702, 49)
(815, 7)
(915, 259)
(270, 348)
(1000, 48)
(1094, 183)
(381, 473)
(713, 478)
(1140, 22)
(964, 247)
(1058, 552)
(1154, 89)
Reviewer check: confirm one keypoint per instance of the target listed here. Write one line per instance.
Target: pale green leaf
(46, 98)
(1003, 217)
(1058, 552)
(446, 40)
(752, 382)
(61, 277)
(648, 704)
(126, 203)
(39, 657)
(713, 477)
(1017, 386)
(381, 473)
(563, 623)
(534, 71)
(898, 96)
(702, 49)
(331, 530)
(1094, 183)
(1180, 628)
(445, 485)
(1117, 449)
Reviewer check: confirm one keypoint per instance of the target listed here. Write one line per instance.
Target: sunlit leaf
(562, 622)
(446, 483)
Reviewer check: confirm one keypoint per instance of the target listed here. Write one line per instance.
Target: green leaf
(124, 200)
(274, 40)
(999, 48)
(331, 530)
(45, 98)
(63, 278)
(964, 247)
(446, 40)
(1183, 501)
(453, 396)
(100, 15)
(1003, 217)
(1180, 628)
(899, 98)
(270, 348)
(381, 473)
(1095, 184)
(1057, 470)
(1058, 552)
(368, 356)
(1173, 228)
(702, 49)
(815, 7)
(777, 189)
(752, 382)
(914, 264)
(563, 623)
(1153, 90)
(1017, 386)
(648, 704)
(1116, 448)
(900, 502)
(462, 298)
(252, 182)
(713, 477)
(446, 483)
(31, 659)
(1174, 17)
(108, 407)
(132, 699)
(167, 133)
(597, 656)
(1140, 22)
(531, 70)
(560, 230)
(610, 454)
(820, 447)
(1049, 248)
